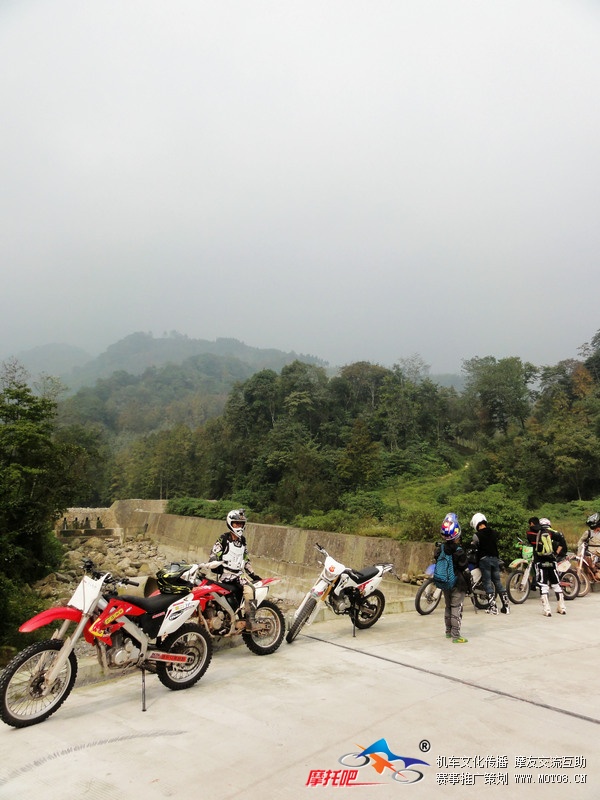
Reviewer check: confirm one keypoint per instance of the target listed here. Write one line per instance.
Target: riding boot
(560, 608)
(251, 623)
(505, 606)
(492, 607)
(546, 606)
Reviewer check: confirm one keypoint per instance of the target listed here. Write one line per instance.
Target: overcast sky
(351, 179)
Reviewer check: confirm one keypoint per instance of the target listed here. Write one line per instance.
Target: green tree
(499, 391)
(34, 477)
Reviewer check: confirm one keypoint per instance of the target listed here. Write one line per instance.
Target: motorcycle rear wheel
(516, 592)
(427, 597)
(304, 613)
(21, 701)
(369, 610)
(481, 599)
(266, 641)
(194, 641)
(570, 584)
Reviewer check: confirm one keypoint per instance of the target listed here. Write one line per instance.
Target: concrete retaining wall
(275, 550)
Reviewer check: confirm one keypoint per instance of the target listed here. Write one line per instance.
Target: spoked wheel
(369, 610)
(304, 613)
(267, 639)
(190, 640)
(427, 597)
(584, 583)
(481, 599)
(517, 586)
(22, 701)
(570, 584)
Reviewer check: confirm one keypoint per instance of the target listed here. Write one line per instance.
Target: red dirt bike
(221, 609)
(150, 633)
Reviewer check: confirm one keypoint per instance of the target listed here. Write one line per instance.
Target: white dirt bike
(150, 633)
(344, 591)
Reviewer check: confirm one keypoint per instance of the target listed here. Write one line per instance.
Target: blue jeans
(490, 574)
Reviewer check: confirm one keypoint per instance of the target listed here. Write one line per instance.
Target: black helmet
(593, 520)
(169, 579)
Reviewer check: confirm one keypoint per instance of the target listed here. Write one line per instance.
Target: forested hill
(139, 351)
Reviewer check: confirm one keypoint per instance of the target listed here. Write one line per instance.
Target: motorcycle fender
(476, 575)
(319, 589)
(177, 614)
(260, 593)
(50, 616)
(518, 563)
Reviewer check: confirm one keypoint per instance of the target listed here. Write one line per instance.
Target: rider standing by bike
(230, 548)
(489, 563)
(544, 541)
(454, 598)
(591, 540)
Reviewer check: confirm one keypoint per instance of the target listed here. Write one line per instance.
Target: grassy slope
(436, 492)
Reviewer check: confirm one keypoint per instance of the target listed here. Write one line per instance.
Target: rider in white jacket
(591, 539)
(231, 550)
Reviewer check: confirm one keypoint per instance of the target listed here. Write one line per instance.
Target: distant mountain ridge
(138, 351)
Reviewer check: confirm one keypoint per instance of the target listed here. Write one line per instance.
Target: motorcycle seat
(152, 604)
(362, 575)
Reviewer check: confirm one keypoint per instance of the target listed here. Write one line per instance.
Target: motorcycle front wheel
(304, 613)
(427, 597)
(570, 584)
(584, 583)
(190, 640)
(265, 641)
(369, 610)
(22, 682)
(516, 586)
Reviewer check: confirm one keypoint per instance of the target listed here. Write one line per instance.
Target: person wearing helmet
(591, 540)
(486, 541)
(546, 543)
(230, 549)
(454, 598)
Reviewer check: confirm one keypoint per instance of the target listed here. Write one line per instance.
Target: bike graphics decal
(379, 757)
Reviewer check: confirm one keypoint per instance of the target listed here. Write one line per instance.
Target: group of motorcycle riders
(549, 547)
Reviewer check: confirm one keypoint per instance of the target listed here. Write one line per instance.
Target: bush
(505, 515)
(17, 604)
(364, 504)
(420, 525)
(336, 520)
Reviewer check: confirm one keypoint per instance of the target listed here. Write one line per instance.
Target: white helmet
(236, 521)
(545, 522)
(477, 519)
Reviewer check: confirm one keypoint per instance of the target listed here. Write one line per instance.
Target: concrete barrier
(276, 550)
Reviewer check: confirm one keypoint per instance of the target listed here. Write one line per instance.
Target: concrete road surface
(515, 713)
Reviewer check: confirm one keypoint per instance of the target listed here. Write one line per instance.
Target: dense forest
(376, 450)
(299, 440)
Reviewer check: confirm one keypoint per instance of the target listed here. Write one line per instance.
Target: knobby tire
(266, 641)
(192, 640)
(21, 701)
(303, 614)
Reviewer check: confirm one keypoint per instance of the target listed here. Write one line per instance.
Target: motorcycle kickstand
(143, 689)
